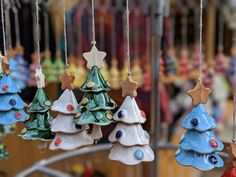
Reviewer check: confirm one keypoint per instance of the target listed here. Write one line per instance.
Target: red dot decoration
(5, 87)
(213, 143)
(143, 114)
(58, 141)
(18, 115)
(70, 107)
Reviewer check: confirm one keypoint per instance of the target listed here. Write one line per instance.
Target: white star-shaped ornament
(39, 77)
(94, 58)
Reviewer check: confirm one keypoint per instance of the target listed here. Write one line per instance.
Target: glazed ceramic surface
(131, 155)
(129, 135)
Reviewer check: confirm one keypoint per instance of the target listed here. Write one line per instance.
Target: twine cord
(127, 36)
(3, 30)
(65, 35)
(93, 24)
(200, 42)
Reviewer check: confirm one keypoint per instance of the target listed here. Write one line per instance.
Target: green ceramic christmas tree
(38, 124)
(96, 104)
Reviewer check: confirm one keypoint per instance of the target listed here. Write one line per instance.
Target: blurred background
(179, 70)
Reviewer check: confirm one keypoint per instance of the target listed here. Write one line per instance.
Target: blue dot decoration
(121, 114)
(213, 160)
(12, 102)
(139, 155)
(194, 122)
(119, 134)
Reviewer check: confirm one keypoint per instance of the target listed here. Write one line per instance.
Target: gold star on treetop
(129, 87)
(5, 65)
(67, 80)
(199, 94)
(94, 58)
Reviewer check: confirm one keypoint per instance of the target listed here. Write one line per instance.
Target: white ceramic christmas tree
(69, 136)
(130, 141)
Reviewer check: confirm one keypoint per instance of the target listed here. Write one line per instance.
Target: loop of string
(37, 31)
(65, 34)
(127, 36)
(200, 42)
(3, 30)
(93, 24)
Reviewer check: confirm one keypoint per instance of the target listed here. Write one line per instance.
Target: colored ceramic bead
(194, 122)
(214, 143)
(213, 160)
(139, 155)
(119, 134)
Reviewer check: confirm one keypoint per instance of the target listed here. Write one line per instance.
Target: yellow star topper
(94, 58)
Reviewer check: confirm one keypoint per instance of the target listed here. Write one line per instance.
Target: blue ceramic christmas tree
(11, 105)
(199, 144)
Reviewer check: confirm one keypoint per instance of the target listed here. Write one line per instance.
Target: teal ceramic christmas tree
(96, 104)
(199, 144)
(38, 124)
(11, 105)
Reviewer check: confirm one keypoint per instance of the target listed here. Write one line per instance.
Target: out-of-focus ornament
(114, 75)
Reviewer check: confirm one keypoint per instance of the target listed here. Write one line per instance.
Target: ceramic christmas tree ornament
(96, 104)
(11, 105)
(202, 162)
(131, 142)
(69, 136)
(38, 124)
(199, 144)
(131, 155)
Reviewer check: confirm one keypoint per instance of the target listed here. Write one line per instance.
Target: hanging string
(200, 41)
(93, 24)
(127, 36)
(37, 31)
(3, 30)
(65, 34)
